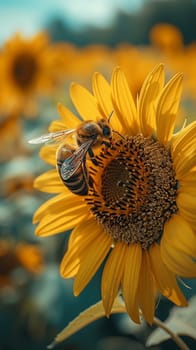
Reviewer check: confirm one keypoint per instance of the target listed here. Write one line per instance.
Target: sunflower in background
(167, 45)
(11, 135)
(139, 213)
(91, 58)
(18, 255)
(166, 37)
(142, 59)
(31, 68)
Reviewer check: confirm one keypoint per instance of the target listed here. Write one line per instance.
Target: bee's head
(106, 129)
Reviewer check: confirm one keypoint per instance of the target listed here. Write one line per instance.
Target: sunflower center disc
(24, 70)
(134, 190)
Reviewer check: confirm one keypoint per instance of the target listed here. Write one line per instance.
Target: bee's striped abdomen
(78, 182)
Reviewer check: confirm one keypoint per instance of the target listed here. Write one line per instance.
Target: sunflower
(138, 216)
(30, 68)
(143, 59)
(166, 37)
(11, 136)
(18, 255)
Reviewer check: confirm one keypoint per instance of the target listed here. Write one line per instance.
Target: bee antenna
(110, 116)
(116, 132)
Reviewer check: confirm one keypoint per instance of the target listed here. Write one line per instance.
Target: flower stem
(173, 335)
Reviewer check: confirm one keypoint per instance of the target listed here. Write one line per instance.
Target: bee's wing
(72, 163)
(52, 136)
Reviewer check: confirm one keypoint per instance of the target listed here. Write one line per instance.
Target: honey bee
(71, 160)
(71, 166)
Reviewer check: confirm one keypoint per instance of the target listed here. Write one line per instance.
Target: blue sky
(30, 16)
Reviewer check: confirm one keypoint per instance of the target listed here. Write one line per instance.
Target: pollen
(133, 190)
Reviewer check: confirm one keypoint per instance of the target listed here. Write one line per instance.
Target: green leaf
(86, 317)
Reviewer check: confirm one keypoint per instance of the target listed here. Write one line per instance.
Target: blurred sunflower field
(37, 69)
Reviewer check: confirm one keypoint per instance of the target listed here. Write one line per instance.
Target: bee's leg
(107, 145)
(92, 156)
(90, 181)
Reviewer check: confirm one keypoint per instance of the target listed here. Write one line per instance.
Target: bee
(71, 166)
(71, 160)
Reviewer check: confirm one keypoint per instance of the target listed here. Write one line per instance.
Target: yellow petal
(183, 151)
(178, 244)
(186, 203)
(184, 168)
(182, 139)
(124, 103)
(60, 222)
(146, 289)
(167, 107)
(49, 182)
(80, 242)
(165, 279)
(85, 103)
(91, 260)
(112, 276)
(69, 120)
(150, 90)
(85, 229)
(189, 217)
(185, 161)
(178, 262)
(189, 179)
(57, 125)
(178, 235)
(48, 154)
(59, 214)
(60, 202)
(102, 91)
(133, 260)
(188, 188)
(38, 42)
